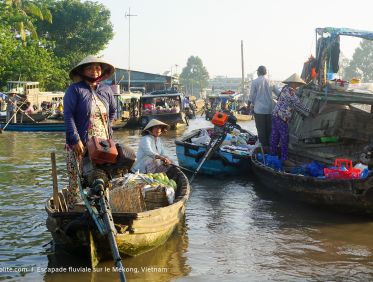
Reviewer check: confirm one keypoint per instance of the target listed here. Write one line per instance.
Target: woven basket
(156, 198)
(127, 199)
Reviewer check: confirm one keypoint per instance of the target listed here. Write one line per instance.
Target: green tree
(31, 62)
(21, 15)
(78, 29)
(194, 76)
(34, 63)
(361, 65)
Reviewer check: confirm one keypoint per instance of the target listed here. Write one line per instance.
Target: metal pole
(129, 49)
(129, 46)
(243, 72)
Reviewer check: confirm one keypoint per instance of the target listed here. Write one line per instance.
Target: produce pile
(160, 178)
(161, 110)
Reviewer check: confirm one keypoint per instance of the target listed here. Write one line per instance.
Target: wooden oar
(214, 144)
(27, 115)
(56, 201)
(182, 168)
(1, 129)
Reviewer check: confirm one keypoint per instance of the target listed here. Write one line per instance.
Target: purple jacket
(77, 109)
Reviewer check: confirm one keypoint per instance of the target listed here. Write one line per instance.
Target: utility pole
(129, 45)
(243, 73)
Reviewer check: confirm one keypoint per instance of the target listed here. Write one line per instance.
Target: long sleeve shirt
(261, 96)
(77, 109)
(287, 101)
(148, 150)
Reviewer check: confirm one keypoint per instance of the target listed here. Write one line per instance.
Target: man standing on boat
(262, 104)
(11, 106)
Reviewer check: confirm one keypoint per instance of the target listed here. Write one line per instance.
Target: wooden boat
(127, 112)
(166, 107)
(344, 195)
(39, 126)
(222, 162)
(242, 117)
(137, 232)
(23, 118)
(227, 101)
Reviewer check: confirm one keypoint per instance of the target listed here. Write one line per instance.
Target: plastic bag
(202, 139)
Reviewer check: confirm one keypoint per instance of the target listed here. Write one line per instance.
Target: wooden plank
(55, 184)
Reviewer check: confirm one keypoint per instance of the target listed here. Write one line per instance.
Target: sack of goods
(141, 192)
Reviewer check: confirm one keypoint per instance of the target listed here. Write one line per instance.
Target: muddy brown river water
(233, 230)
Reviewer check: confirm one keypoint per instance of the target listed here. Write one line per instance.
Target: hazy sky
(279, 34)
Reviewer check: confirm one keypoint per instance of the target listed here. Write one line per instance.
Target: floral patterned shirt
(287, 101)
(98, 119)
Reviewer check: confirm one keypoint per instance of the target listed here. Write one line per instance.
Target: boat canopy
(328, 50)
(345, 31)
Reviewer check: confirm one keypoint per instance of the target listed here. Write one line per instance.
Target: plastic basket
(342, 170)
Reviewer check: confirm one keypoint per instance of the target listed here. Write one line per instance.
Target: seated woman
(151, 155)
(29, 110)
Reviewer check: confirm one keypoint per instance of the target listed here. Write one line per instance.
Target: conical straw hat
(294, 79)
(107, 69)
(155, 122)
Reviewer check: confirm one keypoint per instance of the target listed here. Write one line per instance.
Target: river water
(233, 229)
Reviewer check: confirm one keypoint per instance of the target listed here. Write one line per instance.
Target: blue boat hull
(43, 127)
(221, 163)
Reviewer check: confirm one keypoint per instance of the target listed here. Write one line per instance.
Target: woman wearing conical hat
(286, 103)
(89, 109)
(151, 153)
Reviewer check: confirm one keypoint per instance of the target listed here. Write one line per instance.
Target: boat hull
(348, 196)
(222, 163)
(137, 232)
(44, 127)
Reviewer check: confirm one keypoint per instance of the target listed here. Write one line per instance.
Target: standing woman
(89, 110)
(151, 154)
(262, 104)
(287, 102)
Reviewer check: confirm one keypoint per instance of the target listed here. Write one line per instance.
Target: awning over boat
(345, 31)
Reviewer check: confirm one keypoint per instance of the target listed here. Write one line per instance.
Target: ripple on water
(234, 231)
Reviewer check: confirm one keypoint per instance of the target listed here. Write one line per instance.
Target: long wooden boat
(23, 118)
(222, 162)
(242, 117)
(137, 232)
(348, 196)
(150, 109)
(40, 126)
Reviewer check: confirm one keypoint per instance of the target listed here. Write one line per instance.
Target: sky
(279, 34)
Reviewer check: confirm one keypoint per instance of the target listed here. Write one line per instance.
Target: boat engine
(92, 170)
(224, 123)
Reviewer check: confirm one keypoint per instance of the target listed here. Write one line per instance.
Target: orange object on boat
(102, 151)
(219, 119)
(342, 170)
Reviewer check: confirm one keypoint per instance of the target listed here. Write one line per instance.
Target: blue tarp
(346, 31)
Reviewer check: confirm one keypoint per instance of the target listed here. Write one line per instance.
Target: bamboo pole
(56, 200)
